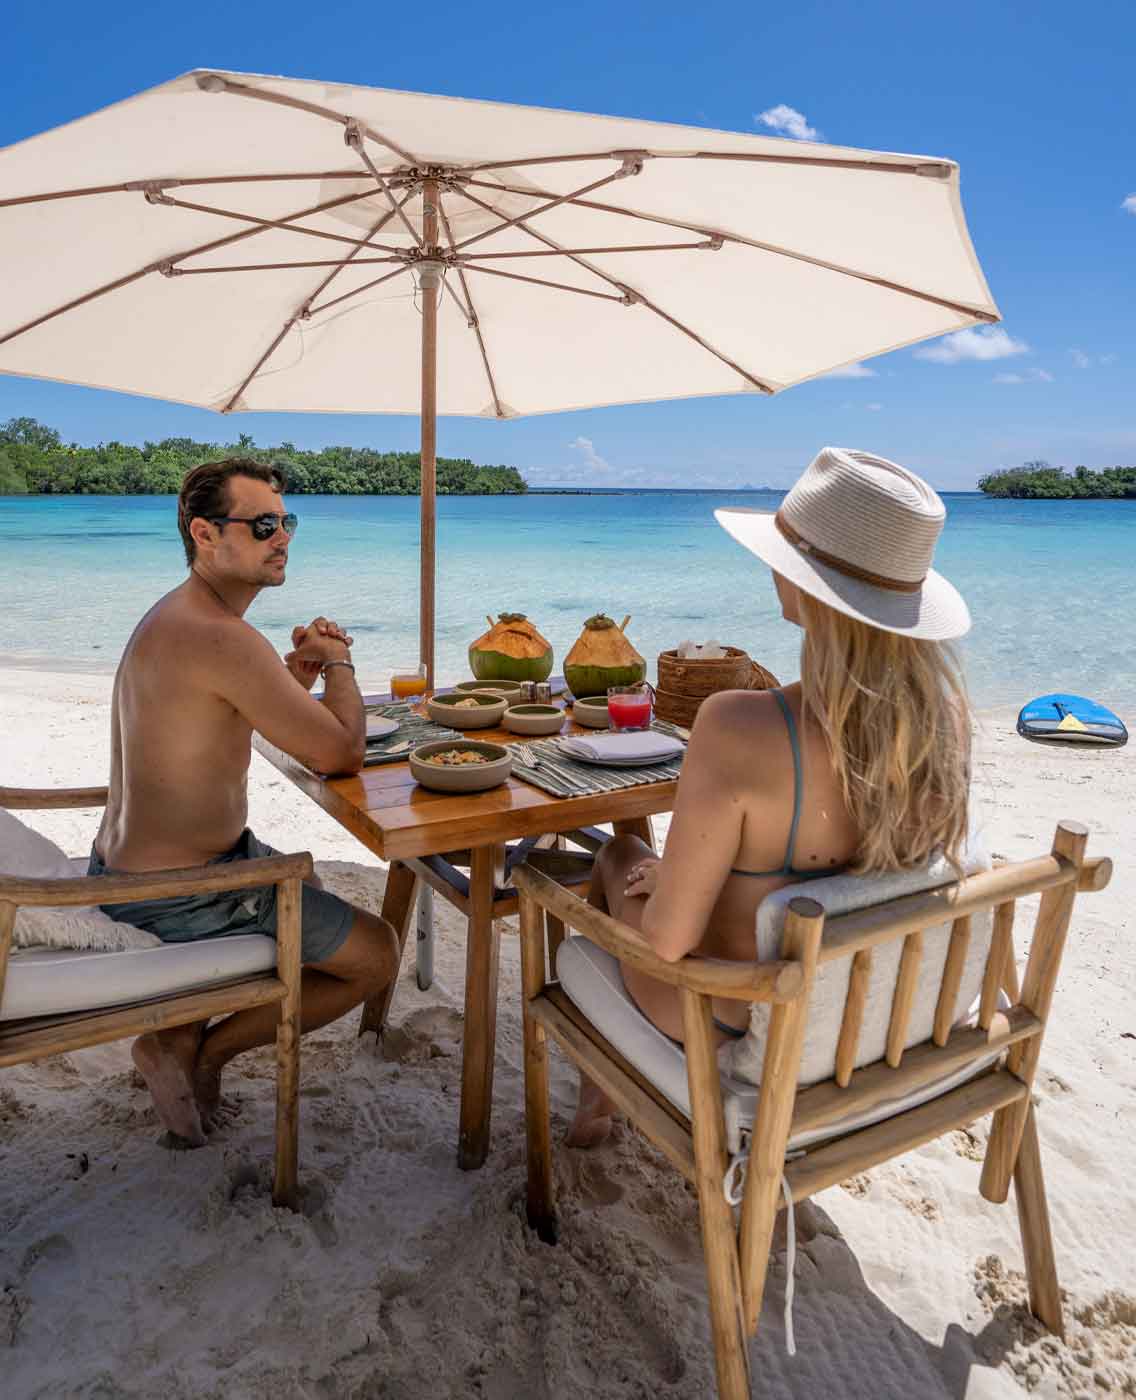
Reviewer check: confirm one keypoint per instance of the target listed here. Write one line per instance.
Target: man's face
(238, 554)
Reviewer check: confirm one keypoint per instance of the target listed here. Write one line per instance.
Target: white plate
(649, 762)
(379, 728)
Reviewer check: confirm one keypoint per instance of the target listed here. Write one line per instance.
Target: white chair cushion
(592, 979)
(839, 894)
(47, 981)
(26, 853)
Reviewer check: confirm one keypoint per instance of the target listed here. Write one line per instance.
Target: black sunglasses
(263, 527)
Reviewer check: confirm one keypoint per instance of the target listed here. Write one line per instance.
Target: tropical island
(1040, 481)
(34, 460)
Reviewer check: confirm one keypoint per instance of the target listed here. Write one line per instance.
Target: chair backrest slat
(910, 962)
(994, 979)
(854, 1003)
(952, 979)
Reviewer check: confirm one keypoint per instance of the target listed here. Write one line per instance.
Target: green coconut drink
(602, 656)
(512, 650)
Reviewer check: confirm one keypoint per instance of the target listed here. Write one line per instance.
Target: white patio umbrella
(249, 243)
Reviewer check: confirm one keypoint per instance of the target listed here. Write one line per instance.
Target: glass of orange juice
(408, 681)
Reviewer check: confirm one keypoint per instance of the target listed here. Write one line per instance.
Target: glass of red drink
(629, 706)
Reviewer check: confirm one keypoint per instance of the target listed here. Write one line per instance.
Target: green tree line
(35, 460)
(1040, 481)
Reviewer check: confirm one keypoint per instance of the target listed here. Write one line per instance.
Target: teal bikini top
(788, 868)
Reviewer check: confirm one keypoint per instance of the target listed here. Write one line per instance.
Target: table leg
(637, 826)
(480, 1035)
(398, 906)
(424, 945)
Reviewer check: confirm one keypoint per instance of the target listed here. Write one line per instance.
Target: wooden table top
(396, 818)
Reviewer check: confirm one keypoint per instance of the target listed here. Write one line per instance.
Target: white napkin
(644, 743)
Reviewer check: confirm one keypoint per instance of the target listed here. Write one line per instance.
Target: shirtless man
(194, 682)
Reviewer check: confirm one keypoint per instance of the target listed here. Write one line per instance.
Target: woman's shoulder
(733, 721)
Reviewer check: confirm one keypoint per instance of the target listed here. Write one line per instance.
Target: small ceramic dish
(591, 711)
(534, 719)
(449, 709)
(507, 690)
(461, 777)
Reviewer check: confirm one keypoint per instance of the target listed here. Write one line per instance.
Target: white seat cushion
(592, 979)
(49, 981)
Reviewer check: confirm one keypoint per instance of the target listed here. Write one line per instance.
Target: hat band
(842, 566)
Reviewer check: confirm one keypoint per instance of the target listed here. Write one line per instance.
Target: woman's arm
(706, 828)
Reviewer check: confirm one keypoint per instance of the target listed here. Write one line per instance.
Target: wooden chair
(34, 1038)
(999, 1053)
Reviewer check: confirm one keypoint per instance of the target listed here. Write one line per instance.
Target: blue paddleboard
(1071, 719)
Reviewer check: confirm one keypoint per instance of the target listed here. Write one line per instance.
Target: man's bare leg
(594, 1110)
(166, 1060)
(359, 969)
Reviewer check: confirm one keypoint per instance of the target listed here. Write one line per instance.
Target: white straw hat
(858, 532)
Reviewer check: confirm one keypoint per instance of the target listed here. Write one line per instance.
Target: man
(194, 682)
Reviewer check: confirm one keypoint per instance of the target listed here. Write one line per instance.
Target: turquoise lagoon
(1051, 584)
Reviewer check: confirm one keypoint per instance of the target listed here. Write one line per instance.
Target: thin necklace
(224, 603)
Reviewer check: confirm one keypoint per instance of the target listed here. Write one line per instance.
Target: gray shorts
(325, 919)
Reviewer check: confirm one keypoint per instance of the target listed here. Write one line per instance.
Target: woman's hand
(642, 878)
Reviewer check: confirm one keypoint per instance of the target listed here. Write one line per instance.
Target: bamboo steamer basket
(685, 682)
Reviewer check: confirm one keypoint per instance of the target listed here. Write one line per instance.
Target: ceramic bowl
(471, 777)
(507, 690)
(591, 711)
(534, 719)
(447, 710)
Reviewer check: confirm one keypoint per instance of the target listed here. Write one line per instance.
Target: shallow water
(1050, 583)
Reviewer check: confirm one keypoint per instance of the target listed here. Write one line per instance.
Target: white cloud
(591, 458)
(973, 344)
(1080, 359)
(850, 372)
(1029, 376)
(1130, 204)
(873, 407)
(789, 122)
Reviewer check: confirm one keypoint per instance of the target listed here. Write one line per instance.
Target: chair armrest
(31, 799)
(741, 981)
(156, 884)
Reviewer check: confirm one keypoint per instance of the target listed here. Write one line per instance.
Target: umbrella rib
(630, 295)
(305, 307)
(358, 291)
(279, 266)
(774, 248)
(628, 168)
(166, 264)
(132, 186)
(539, 282)
(354, 138)
(284, 224)
(579, 252)
(215, 82)
(472, 318)
(933, 169)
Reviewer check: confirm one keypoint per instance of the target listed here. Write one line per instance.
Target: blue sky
(1036, 102)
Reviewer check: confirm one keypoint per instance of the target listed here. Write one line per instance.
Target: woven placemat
(566, 777)
(413, 729)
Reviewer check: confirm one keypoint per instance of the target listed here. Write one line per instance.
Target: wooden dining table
(459, 844)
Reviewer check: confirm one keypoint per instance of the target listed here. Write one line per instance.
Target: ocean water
(1050, 584)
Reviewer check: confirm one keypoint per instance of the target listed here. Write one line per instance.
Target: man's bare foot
(215, 1111)
(593, 1116)
(165, 1060)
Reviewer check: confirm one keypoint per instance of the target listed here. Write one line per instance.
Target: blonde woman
(861, 765)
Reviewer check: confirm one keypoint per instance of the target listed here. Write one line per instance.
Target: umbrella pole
(429, 282)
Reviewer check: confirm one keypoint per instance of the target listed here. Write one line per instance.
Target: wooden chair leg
(538, 1113)
(398, 910)
(285, 1186)
(1037, 1239)
(554, 926)
(719, 1239)
(480, 1033)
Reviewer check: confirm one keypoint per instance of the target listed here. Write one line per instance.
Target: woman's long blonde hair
(896, 716)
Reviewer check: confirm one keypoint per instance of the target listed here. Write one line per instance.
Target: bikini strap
(794, 742)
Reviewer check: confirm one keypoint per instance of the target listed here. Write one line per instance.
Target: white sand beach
(128, 1270)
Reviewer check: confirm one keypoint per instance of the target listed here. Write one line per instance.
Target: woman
(861, 765)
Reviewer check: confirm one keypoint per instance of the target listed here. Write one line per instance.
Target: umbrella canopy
(248, 243)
